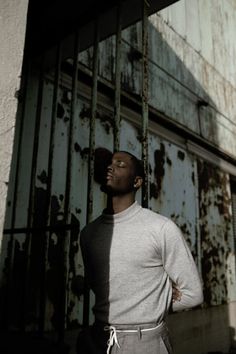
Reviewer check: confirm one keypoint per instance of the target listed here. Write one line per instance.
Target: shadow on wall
(177, 94)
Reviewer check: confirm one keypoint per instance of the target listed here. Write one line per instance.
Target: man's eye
(121, 164)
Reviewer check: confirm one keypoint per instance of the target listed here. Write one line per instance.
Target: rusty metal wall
(65, 125)
(216, 230)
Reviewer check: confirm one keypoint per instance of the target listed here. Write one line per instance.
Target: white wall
(13, 15)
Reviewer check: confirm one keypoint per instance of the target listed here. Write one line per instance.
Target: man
(139, 267)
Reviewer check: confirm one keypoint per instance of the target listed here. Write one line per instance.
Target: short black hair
(138, 164)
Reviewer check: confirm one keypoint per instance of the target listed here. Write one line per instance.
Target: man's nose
(110, 168)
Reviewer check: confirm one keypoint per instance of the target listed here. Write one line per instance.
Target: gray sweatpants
(125, 340)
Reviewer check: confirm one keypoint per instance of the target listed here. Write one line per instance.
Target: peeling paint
(60, 111)
(43, 177)
(215, 213)
(159, 171)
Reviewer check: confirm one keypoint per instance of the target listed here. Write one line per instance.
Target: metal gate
(74, 111)
(52, 191)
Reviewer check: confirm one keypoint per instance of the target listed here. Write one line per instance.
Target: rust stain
(134, 55)
(168, 161)
(83, 152)
(181, 155)
(215, 222)
(43, 178)
(66, 97)
(106, 120)
(186, 231)
(193, 178)
(159, 172)
(85, 112)
(60, 111)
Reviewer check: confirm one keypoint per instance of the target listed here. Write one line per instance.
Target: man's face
(120, 176)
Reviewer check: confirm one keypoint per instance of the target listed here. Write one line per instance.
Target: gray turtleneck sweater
(131, 259)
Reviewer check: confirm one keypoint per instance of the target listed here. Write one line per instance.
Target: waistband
(137, 328)
(115, 330)
(101, 325)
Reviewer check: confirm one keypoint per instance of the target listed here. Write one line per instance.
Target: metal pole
(29, 234)
(50, 160)
(145, 189)
(117, 81)
(67, 213)
(91, 152)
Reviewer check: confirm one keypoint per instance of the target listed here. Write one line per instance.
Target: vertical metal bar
(31, 195)
(11, 244)
(117, 80)
(46, 240)
(198, 221)
(91, 150)
(92, 123)
(145, 189)
(67, 218)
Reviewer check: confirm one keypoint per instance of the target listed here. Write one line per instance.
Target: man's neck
(117, 204)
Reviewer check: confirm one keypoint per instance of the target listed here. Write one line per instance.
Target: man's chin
(106, 189)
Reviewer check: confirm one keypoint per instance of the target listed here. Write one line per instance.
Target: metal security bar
(117, 81)
(29, 235)
(67, 209)
(92, 150)
(233, 198)
(145, 190)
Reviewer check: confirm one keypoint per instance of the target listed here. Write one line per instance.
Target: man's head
(125, 174)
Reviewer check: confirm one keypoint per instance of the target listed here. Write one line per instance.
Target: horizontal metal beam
(53, 27)
(50, 21)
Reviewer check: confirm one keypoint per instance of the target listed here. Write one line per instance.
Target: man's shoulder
(160, 224)
(154, 216)
(91, 225)
(161, 221)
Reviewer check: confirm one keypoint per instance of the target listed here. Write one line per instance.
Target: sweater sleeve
(181, 268)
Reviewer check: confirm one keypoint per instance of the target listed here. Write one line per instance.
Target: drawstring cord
(112, 339)
(113, 334)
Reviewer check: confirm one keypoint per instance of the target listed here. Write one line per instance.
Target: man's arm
(85, 259)
(181, 268)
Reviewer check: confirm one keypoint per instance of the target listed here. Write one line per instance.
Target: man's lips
(109, 175)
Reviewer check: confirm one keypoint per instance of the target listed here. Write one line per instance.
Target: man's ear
(138, 182)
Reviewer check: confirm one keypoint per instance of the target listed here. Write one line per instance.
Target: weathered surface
(12, 36)
(218, 261)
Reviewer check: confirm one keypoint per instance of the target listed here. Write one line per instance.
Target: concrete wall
(192, 53)
(12, 37)
(199, 36)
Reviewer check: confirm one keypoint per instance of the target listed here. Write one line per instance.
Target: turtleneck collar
(123, 215)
